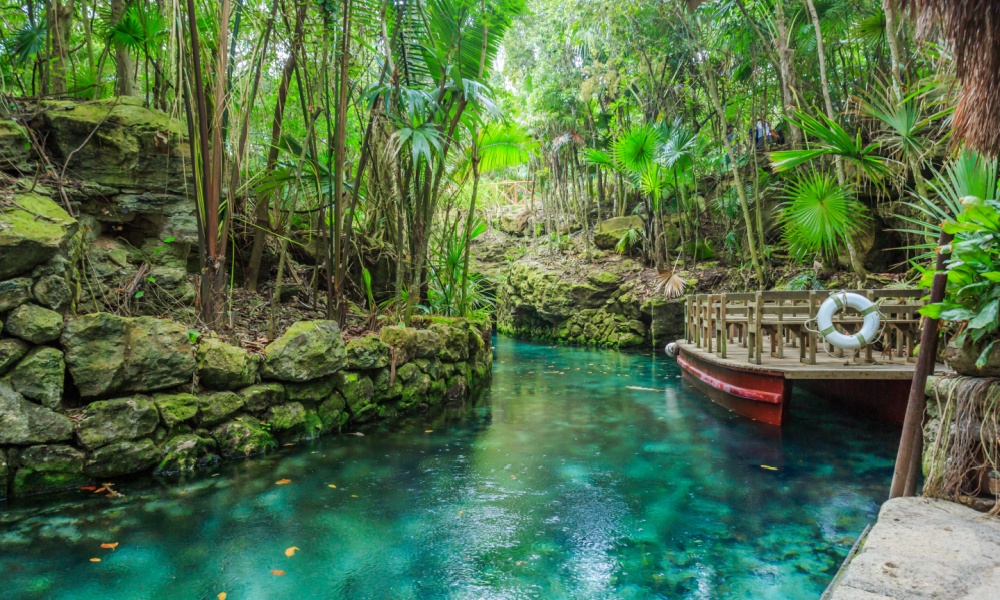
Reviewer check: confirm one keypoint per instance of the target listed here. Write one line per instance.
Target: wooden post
(911, 440)
(813, 338)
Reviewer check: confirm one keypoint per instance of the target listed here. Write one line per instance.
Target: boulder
(186, 452)
(35, 324)
(611, 230)
(15, 147)
(411, 343)
(308, 350)
(122, 458)
(53, 291)
(47, 468)
(11, 351)
(454, 339)
(14, 293)
(108, 421)
(106, 354)
(962, 359)
(385, 388)
(217, 407)
(315, 390)
(23, 422)
(225, 367)
(359, 393)
(175, 409)
(40, 376)
(333, 412)
(32, 231)
(258, 398)
(242, 436)
(367, 352)
(285, 417)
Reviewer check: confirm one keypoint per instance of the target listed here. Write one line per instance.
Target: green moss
(176, 408)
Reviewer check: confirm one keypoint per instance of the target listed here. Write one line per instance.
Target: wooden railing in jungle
(714, 322)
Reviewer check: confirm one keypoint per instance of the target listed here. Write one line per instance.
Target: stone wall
(604, 309)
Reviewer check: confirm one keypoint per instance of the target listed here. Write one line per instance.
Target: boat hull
(757, 394)
(881, 399)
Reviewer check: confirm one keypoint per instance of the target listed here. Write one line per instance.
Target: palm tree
(819, 215)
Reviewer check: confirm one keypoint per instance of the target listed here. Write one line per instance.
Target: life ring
(671, 350)
(837, 302)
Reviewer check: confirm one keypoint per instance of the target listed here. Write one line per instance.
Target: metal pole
(911, 439)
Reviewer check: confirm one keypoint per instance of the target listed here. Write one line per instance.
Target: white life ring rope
(871, 329)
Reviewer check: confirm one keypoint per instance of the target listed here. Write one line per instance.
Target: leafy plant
(629, 240)
(819, 214)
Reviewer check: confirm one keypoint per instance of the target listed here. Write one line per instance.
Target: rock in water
(47, 469)
(308, 350)
(106, 354)
(32, 231)
(122, 458)
(110, 421)
(23, 422)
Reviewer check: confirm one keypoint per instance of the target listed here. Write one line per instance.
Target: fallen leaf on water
(88, 488)
(99, 490)
(95, 560)
(290, 552)
(644, 389)
(222, 596)
(288, 444)
(769, 467)
(428, 431)
(460, 513)
(277, 572)
(109, 545)
(330, 485)
(521, 563)
(353, 496)
(513, 476)
(283, 481)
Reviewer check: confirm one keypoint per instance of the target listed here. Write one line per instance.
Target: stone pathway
(925, 548)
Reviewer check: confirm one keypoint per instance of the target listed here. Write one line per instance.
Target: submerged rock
(108, 421)
(106, 353)
(186, 452)
(40, 376)
(308, 350)
(367, 352)
(225, 367)
(23, 422)
(47, 469)
(122, 458)
(35, 324)
(242, 436)
(31, 232)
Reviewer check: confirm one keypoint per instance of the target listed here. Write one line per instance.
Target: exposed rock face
(40, 376)
(411, 343)
(308, 350)
(225, 367)
(32, 231)
(110, 421)
(217, 407)
(23, 422)
(610, 231)
(258, 398)
(666, 319)
(107, 354)
(35, 324)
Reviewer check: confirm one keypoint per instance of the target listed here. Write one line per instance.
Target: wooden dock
(745, 352)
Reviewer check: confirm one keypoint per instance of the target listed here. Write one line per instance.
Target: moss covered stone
(109, 421)
(122, 458)
(454, 336)
(258, 398)
(610, 231)
(47, 468)
(216, 407)
(359, 393)
(35, 324)
(243, 436)
(411, 343)
(225, 367)
(106, 354)
(32, 231)
(285, 416)
(11, 351)
(15, 148)
(14, 293)
(367, 352)
(315, 390)
(186, 452)
(385, 388)
(40, 376)
(175, 409)
(52, 291)
(23, 422)
(308, 350)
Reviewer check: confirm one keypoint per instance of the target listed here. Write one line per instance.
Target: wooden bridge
(744, 351)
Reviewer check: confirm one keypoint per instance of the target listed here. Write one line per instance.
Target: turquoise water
(564, 482)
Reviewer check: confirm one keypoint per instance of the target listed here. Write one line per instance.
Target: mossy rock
(407, 372)
(333, 412)
(604, 279)
(35, 324)
(31, 232)
(53, 291)
(411, 343)
(108, 421)
(456, 389)
(285, 417)
(176, 408)
(385, 388)
(14, 293)
(225, 367)
(315, 390)
(367, 352)
(308, 350)
(15, 147)
(23, 422)
(185, 453)
(243, 436)
(122, 458)
(258, 398)
(106, 354)
(430, 366)
(216, 407)
(47, 468)
(40, 376)
(359, 393)
(610, 231)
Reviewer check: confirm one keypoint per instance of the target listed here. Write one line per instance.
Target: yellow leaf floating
(353, 496)
(769, 467)
(95, 560)
(283, 481)
(460, 513)
(290, 552)
(222, 596)
(331, 486)
(109, 545)
(277, 572)
(428, 431)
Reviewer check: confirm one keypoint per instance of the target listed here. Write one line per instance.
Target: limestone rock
(15, 147)
(23, 422)
(108, 421)
(285, 417)
(315, 390)
(258, 398)
(175, 409)
(106, 353)
(962, 359)
(368, 352)
(40, 376)
(14, 293)
(53, 291)
(666, 319)
(359, 393)
(32, 232)
(186, 452)
(11, 351)
(242, 436)
(333, 411)
(35, 324)
(308, 350)
(48, 469)
(225, 367)
(218, 406)
(611, 230)
(122, 458)
(385, 388)
(411, 343)
(454, 339)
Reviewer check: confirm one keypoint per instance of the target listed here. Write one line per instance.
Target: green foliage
(834, 142)
(629, 240)
(819, 214)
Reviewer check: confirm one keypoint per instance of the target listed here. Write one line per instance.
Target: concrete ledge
(925, 548)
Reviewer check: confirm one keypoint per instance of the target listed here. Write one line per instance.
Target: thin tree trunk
(124, 65)
(61, 26)
(786, 63)
(890, 35)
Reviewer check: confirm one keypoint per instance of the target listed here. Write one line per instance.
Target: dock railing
(787, 318)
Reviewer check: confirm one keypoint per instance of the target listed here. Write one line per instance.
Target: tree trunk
(124, 65)
(61, 27)
(890, 35)
(786, 56)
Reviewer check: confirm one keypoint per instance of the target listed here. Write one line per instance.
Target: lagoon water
(582, 474)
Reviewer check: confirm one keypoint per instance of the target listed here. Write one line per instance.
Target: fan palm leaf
(819, 214)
